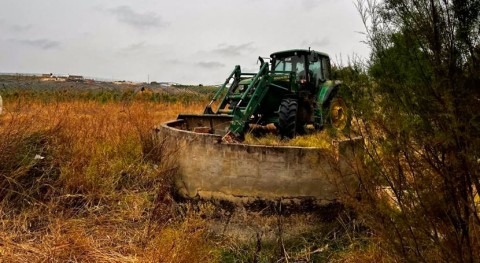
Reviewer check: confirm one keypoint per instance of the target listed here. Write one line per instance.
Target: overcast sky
(184, 41)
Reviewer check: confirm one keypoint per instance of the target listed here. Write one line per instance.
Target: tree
(419, 117)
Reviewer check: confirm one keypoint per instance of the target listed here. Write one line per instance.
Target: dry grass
(80, 182)
(318, 139)
(84, 181)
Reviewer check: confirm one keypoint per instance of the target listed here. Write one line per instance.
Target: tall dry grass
(82, 181)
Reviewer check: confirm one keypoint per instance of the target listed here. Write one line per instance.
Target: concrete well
(210, 169)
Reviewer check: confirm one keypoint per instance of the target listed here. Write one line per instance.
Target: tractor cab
(311, 68)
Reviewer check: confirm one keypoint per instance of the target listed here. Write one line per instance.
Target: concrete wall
(239, 172)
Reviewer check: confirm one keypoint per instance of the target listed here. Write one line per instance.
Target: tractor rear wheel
(287, 116)
(338, 114)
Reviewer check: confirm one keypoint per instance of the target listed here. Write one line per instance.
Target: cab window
(325, 68)
(315, 68)
(292, 63)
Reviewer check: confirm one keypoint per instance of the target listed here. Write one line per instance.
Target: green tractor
(293, 91)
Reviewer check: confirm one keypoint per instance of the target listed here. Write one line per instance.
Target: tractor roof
(299, 51)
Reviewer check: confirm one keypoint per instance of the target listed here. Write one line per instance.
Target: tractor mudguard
(334, 109)
(327, 91)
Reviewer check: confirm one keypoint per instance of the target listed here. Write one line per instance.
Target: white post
(1, 105)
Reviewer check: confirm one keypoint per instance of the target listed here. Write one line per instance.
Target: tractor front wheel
(287, 115)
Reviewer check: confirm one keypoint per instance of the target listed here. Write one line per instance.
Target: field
(83, 180)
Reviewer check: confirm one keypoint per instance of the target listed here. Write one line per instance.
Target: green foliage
(401, 62)
(417, 107)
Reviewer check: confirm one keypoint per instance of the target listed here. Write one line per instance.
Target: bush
(416, 107)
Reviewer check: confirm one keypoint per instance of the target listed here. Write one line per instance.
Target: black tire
(287, 117)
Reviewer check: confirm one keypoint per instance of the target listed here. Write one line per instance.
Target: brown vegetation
(84, 181)
(81, 181)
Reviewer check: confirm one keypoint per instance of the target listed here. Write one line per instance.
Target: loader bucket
(206, 123)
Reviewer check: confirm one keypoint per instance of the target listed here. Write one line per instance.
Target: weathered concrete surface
(239, 172)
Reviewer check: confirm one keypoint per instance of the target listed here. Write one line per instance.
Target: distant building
(47, 77)
(163, 84)
(75, 78)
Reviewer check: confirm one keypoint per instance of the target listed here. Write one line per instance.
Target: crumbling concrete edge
(225, 183)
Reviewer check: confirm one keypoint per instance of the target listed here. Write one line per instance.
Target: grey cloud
(42, 43)
(234, 50)
(20, 28)
(310, 4)
(127, 15)
(135, 47)
(175, 62)
(313, 4)
(316, 43)
(210, 64)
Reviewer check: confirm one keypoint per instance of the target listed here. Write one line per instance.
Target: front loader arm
(236, 77)
(255, 95)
